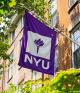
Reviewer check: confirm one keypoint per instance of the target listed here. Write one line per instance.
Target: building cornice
(73, 6)
(75, 27)
(15, 21)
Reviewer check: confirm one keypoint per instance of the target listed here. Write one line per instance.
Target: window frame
(72, 2)
(74, 46)
(10, 66)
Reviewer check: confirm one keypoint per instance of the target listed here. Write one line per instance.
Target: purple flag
(38, 46)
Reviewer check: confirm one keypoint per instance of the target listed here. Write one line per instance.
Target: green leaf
(12, 3)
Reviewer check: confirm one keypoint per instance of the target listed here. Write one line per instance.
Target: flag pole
(49, 24)
(42, 79)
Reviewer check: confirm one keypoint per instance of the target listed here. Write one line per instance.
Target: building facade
(61, 20)
(66, 17)
(74, 12)
(64, 44)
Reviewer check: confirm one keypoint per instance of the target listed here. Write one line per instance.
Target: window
(20, 43)
(76, 37)
(34, 75)
(1, 70)
(54, 19)
(10, 67)
(10, 71)
(12, 36)
(20, 23)
(20, 88)
(76, 48)
(34, 78)
(19, 26)
(20, 51)
(77, 58)
(53, 6)
(53, 12)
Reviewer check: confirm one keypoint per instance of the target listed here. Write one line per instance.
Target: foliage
(6, 6)
(7, 9)
(67, 81)
(64, 82)
(37, 6)
(11, 89)
(4, 22)
(3, 47)
(27, 87)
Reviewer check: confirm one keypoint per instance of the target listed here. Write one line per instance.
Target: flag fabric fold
(38, 46)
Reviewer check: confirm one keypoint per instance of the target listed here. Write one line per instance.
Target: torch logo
(38, 43)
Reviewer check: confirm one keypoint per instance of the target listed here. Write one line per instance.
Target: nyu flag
(38, 46)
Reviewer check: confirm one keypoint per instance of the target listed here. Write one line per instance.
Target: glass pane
(76, 37)
(76, 34)
(54, 19)
(78, 40)
(10, 70)
(53, 6)
(76, 47)
(34, 75)
(77, 58)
